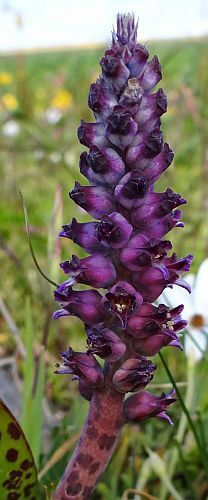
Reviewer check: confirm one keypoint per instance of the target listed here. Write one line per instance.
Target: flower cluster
(128, 258)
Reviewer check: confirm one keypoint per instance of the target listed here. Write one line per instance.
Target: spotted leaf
(18, 474)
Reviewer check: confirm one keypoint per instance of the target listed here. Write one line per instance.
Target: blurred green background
(43, 96)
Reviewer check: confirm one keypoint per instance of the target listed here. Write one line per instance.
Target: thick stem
(95, 447)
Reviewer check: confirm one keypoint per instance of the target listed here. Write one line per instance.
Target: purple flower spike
(144, 405)
(128, 254)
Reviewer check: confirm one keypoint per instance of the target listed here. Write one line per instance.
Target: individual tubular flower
(121, 128)
(160, 276)
(122, 301)
(128, 256)
(105, 343)
(131, 190)
(101, 99)
(155, 327)
(144, 147)
(82, 366)
(102, 166)
(114, 70)
(155, 206)
(113, 231)
(133, 375)
(142, 251)
(96, 200)
(151, 108)
(144, 405)
(96, 270)
(85, 304)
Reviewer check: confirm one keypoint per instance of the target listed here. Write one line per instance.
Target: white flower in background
(53, 115)
(195, 310)
(70, 157)
(39, 154)
(11, 129)
(55, 157)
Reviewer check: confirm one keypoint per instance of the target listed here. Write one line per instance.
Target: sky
(46, 23)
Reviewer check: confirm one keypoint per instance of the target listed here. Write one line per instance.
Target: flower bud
(126, 30)
(101, 99)
(134, 374)
(152, 74)
(114, 71)
(145, 405)
(86, 305)
(137, 62)
(91, 134)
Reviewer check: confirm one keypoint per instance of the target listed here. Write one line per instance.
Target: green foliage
(33, 390)
(18, 472)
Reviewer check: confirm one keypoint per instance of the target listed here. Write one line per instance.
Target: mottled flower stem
(95, 446)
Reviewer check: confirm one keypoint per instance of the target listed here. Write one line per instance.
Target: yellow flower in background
(5, 78)
(3, 337)
(94, 76)
(9, 101)
(62, 99)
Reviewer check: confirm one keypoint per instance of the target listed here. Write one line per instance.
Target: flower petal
(201, 289)
(190, 348)
(175, 296)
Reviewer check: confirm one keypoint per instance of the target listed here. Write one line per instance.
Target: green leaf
(28, 370)
(37, 414)
(33, 388)
(18, 474)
